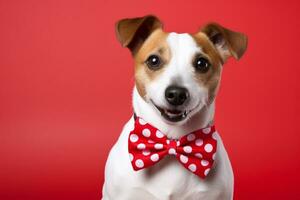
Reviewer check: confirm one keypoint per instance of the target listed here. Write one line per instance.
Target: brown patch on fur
(155, 44)
(232, 42)
(211, 78)
(133, 32)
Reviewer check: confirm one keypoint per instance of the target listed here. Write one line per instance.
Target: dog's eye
(153, 62)
(201, 64)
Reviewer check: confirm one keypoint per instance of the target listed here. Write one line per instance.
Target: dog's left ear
(227, 42)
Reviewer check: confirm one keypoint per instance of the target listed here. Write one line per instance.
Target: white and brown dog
(177, 78)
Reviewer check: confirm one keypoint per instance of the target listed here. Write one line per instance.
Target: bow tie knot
(172, 146)
(195, 151)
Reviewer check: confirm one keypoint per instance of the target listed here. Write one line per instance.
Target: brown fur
(155, 44)
(133, 32)
(211, 78)
(229, 43)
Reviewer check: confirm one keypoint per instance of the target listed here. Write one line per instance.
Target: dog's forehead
(181, 40)
(182, 45)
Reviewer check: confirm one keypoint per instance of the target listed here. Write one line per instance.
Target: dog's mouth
(172, 115)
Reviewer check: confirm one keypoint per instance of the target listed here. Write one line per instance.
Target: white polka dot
(214, 156)
(139, 163)
(146, 152)
(208, 148)
(146, 132)
(151, 141)
(206, 130)
(206, 171)
(141, 146)
(142, 122)
(192, 167)
(184, 159)
(178, 143)
(198, 155)
(215, 135)
(187, 149)
(158, 146)
(191, 137)
(172, 151)
(204, 163)
(159, 134)
(168, 141)
(199, 142)
(134, 138)
(131, 157)
(154, 157)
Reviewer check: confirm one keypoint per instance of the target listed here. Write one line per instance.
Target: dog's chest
(170, 180)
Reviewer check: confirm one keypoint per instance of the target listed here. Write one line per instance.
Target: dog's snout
(176, 96)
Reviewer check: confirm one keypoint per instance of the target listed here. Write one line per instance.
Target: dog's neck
(199, 120)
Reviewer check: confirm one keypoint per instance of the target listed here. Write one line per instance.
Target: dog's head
(178, 74)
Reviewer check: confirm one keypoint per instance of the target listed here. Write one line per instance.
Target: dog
(177, 77)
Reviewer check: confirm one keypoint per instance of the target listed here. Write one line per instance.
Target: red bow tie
(195, 151)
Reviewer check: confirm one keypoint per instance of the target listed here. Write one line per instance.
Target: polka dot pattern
(134, 138)
(139, 163)
(154, 157)
(199, 142)
(158, 146)
(187, 149)
(215, 135)
(184, 159)
(146, 152)
(208, 148)
(146, 132)
(141, 121)
(195, 151)
(206, 130)
(192, 167)
(198, 155)
(141, 146)
(206, 171)
(159, 134)
(191, 137)
(172, 151)
(204, 163)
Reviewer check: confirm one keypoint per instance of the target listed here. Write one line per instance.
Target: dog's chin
(175, 116)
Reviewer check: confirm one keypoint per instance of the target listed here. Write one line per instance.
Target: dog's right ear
(132, 33)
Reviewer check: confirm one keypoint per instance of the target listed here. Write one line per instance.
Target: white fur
(168, 180)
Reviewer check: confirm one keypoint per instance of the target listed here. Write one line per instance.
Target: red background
(65, 93)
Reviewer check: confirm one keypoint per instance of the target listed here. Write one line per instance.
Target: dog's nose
(176, 96)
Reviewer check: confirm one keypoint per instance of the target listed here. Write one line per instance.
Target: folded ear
(227, 42)
(131, 33)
